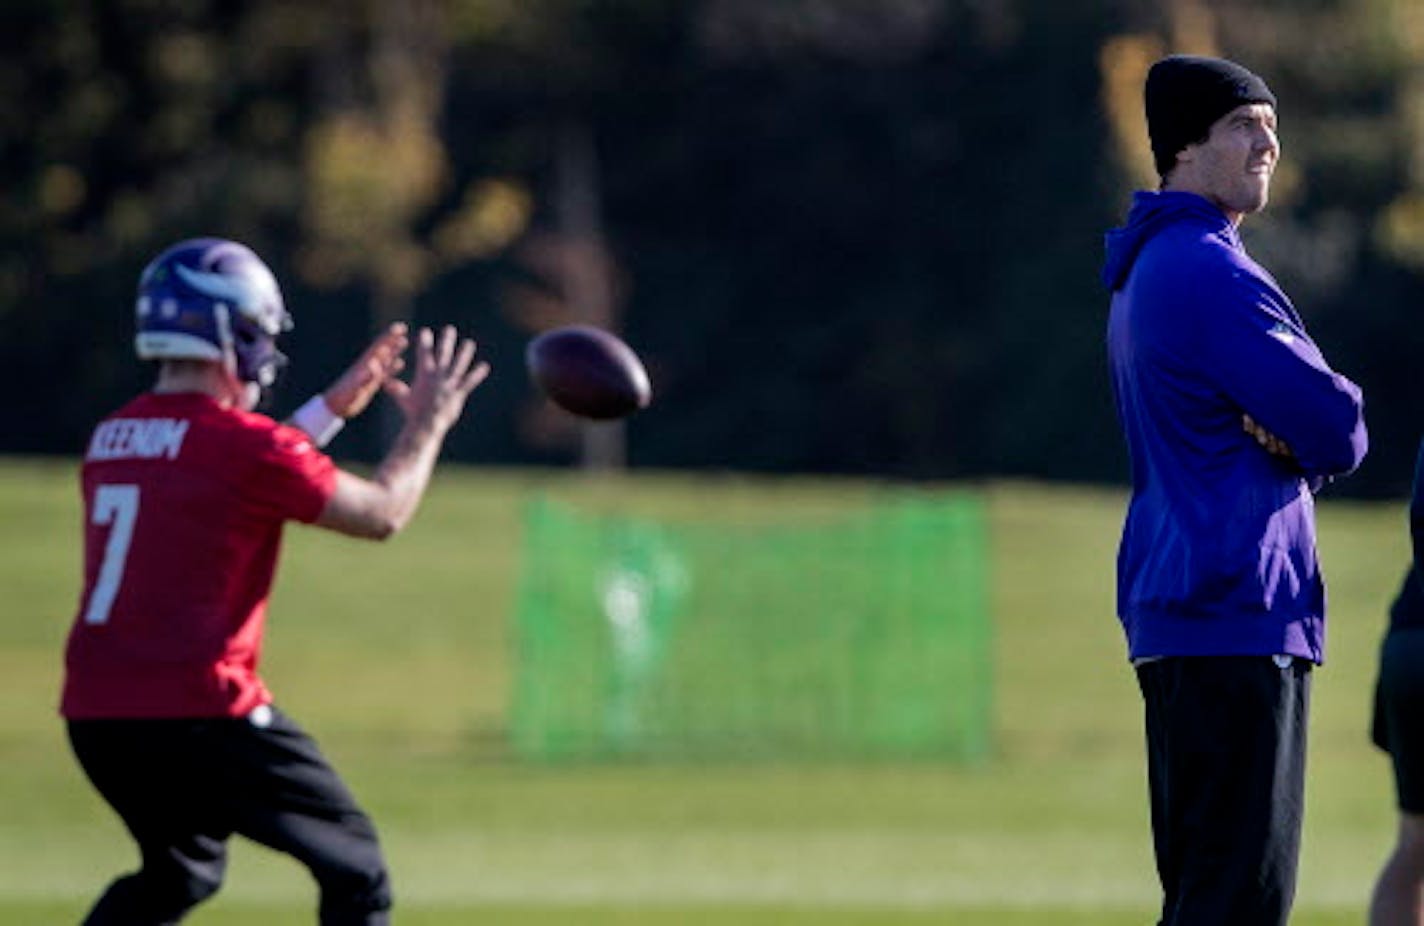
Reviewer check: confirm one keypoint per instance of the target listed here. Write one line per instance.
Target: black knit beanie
(1186, 94)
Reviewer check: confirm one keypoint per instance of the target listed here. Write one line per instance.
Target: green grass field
(397, 658)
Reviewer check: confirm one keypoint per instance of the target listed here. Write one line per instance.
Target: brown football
(589, 372)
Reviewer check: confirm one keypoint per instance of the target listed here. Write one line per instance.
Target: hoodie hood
(1150, 213)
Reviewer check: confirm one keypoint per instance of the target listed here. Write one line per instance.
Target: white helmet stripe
(236, 291)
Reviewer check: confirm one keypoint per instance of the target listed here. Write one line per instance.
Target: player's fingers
(386, 359)
(477, 375)
(390, 351)
(388, 343)
(400, 393)
(463, 356)
(447, 346)
(425, 351)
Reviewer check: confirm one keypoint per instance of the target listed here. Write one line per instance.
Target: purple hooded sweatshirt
(1218, 550)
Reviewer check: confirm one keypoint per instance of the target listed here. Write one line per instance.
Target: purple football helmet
(212, 299)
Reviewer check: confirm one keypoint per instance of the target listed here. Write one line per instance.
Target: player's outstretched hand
(445, 375)
(373, 370)
(1268, 441)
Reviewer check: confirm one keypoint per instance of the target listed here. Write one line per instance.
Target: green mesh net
(867, 635)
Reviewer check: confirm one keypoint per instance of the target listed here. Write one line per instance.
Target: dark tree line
(847, 236)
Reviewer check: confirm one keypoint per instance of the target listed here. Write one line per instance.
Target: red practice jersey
(184, 502)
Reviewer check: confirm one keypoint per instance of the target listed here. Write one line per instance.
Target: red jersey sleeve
(291, 478)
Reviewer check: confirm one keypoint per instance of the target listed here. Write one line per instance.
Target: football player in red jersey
(186, 490)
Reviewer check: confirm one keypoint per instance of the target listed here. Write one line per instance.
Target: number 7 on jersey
(116, 505)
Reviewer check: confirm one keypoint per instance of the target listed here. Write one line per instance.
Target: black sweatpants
(184, 786)
(1399, 713)
(1226, 741)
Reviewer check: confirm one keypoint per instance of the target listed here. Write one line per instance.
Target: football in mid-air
(589, 372)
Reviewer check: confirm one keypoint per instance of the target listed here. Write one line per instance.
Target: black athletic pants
(183, 786)
(1226, 768)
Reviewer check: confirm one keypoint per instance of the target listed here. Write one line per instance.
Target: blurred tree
(126, 124)
(848, 235)
(570, 277)
(570, 59)
(377, 166)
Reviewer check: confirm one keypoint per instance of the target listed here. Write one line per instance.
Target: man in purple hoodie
(1233, 419)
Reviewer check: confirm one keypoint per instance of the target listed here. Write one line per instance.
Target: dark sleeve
(1260, 355)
